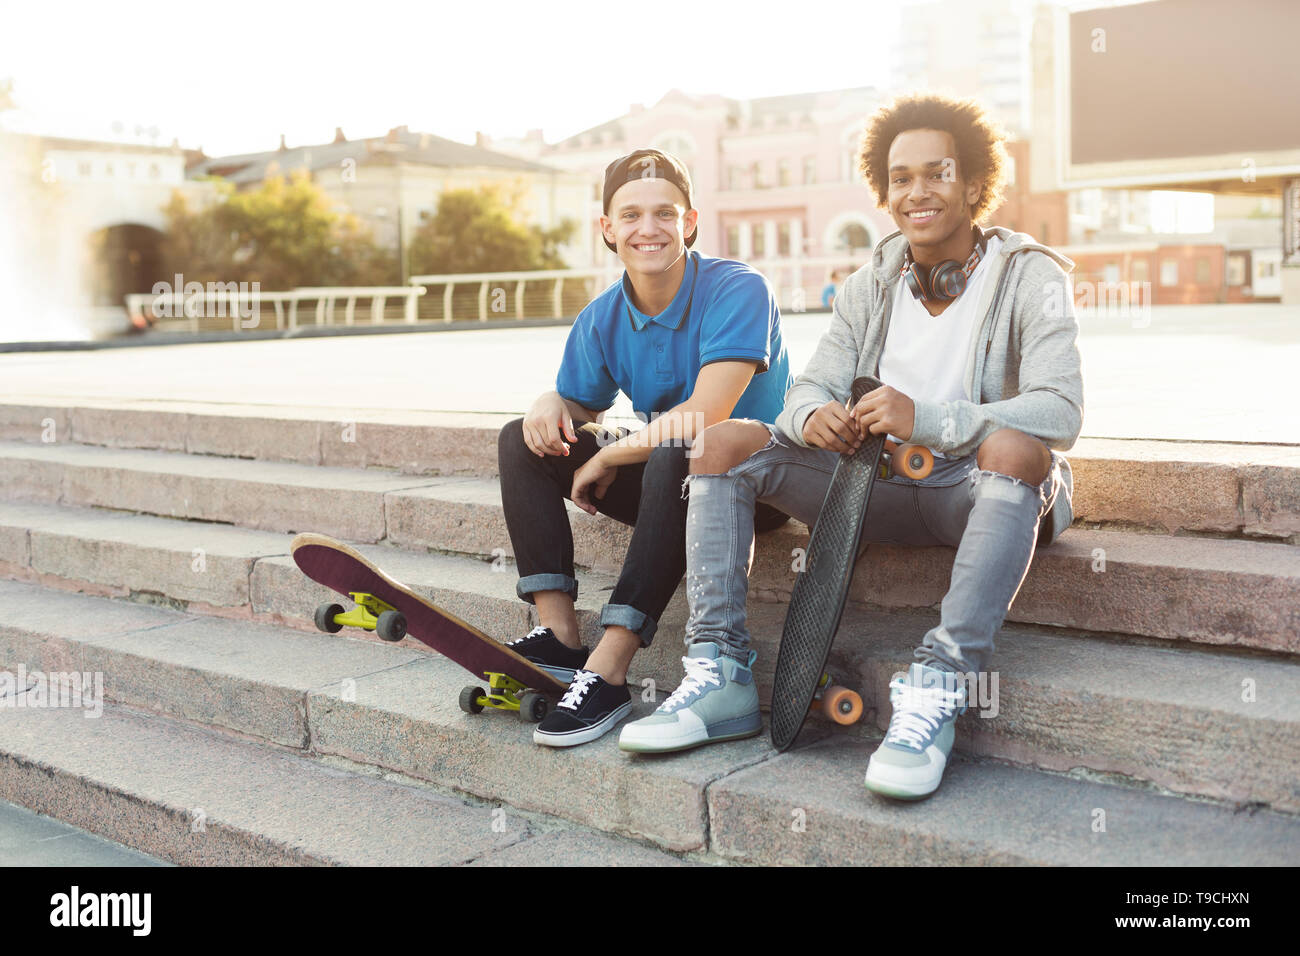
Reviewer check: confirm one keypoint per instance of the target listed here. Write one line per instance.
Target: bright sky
(232, 76)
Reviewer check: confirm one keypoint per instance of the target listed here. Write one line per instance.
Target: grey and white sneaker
(910, 761)
(716, 701)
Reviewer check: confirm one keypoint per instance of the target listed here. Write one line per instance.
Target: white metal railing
(797, 284)
(489, 282)
(243, 306)
(785, 275)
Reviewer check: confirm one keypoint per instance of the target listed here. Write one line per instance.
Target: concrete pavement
(1196, 373)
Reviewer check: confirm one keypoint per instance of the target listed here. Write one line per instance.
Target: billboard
(1184, 78)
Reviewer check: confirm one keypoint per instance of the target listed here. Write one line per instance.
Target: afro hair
(981, 153)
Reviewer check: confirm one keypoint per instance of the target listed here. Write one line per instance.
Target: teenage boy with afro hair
(980, 365)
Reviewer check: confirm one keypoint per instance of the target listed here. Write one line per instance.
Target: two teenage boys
(973, 331)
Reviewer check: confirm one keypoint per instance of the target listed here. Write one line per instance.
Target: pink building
(775, 178)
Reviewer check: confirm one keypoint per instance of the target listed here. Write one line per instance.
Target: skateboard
(392, 610)
(817, 601)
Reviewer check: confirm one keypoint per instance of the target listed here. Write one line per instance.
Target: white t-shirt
(925, 355)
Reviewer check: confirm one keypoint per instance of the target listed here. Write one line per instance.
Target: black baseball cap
(647, 164)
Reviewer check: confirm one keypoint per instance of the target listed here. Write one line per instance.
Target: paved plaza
(1201, 373)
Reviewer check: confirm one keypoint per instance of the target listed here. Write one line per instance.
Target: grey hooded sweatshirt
(1022, 371)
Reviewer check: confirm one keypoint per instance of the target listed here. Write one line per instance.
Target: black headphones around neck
(946, 280)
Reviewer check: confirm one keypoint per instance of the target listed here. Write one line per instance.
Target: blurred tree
(478, 230)
(282, 235)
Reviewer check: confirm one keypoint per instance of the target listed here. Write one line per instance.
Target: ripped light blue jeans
(990, 518)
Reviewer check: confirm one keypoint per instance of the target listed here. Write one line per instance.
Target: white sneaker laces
(699, 671)
(531, 634)
(582, 681)
(919, 712)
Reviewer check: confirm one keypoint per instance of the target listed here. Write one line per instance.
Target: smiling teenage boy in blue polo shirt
(691, 340)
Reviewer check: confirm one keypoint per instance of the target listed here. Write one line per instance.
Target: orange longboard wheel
(913, 461)
(844, 706)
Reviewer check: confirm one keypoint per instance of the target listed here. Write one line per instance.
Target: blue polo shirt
(723, 310)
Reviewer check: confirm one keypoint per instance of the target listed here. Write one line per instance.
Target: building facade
(392, 183)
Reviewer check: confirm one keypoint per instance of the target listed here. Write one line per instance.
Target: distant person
(691, 340)
(973, 334)
(833, 280)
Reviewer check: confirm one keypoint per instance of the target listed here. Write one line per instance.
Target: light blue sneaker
(716, 701)
(909, 763)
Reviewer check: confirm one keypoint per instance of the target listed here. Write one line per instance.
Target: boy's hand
(831, 427)
(885, 411)
(592, 478)
(547, 424)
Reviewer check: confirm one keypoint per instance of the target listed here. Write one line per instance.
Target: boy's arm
(1049, 405)
(584, 374)
(829, 375)
(549, 423)
(735, 345)
(717, 390)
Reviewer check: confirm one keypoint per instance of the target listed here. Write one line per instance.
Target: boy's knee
(723, 446)
(668, 461)
(1011, 452)
(511, 447)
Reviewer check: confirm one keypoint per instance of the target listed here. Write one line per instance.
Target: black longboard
(820, 591)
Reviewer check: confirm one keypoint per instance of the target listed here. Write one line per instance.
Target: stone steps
(203, 799)
(1163, 700)
(263, 729)
(1216, 591)
(1163, 486)
(1216, 724)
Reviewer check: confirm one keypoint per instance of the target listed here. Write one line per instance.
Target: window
(733, 240)
(83, 170)
(108, 169)
(1110, 273)
(1169, 272)
(783, 172)
(1267, 270)
(759, 241)
(756, 171)
(1237, 269)
(783, 239)
(154, 171)
(1141, 270)
(1202, 271)
(734, 176)
(854, 236)
(809, 170)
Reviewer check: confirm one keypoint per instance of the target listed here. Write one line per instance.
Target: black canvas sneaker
(590, 708)
(543, 648)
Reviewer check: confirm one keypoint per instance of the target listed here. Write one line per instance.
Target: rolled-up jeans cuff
(546, 582)
(624, 615)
